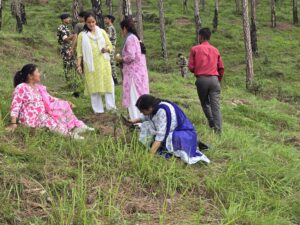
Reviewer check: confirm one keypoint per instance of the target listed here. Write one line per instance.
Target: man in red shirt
(206, 63)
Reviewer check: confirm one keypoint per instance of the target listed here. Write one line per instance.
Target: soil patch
(294, 141)
(108, 124)
(183, 21)
(283, 26)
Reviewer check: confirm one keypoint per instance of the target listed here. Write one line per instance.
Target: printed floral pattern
(29, 107)
(134, 69)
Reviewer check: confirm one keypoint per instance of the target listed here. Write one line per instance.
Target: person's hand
(105, 50)
(132, 121)
(72, 36)
(12, 127)
(135, 121)
(79, 69)
(119, 58)
(70, 52)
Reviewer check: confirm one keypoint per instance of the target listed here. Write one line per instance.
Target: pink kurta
(134, 69)
(36, 108)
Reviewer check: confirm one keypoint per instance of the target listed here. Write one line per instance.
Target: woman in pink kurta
(135, 75)
(34, 107)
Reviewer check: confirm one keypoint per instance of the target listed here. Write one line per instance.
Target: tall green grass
(253, 177)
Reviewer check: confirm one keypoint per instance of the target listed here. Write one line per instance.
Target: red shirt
(205, 60)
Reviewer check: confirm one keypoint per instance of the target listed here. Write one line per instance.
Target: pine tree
(77, 7)
(197, 18)
(126, 9)
(273, 14)
(16, 11)
(1, 7)
(295, 12)
(162, 29)
(248, 49)
(97, 9)
(253, 28)
(139, 18)
(216, 16)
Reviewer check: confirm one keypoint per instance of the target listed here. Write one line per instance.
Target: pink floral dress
(134, 69)
(36, 108)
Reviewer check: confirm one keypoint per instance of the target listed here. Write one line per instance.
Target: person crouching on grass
(34, 107)
(166, 130)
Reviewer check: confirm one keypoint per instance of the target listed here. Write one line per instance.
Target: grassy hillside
(110, 179)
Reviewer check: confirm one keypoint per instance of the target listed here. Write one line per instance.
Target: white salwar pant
(97, 104)
(134, 112)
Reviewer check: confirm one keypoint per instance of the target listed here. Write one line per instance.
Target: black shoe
(115, 81)
(202, 146)
(76, 94)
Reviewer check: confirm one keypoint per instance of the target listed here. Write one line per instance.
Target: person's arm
(135, 121)
(220, 68)
(16, 105)
(140, 120)
(79, 53)
(129, 52)
(191, 64)
(155, 146)
(160, 122)
(74, 42)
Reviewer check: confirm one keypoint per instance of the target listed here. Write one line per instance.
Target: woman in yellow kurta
(93, 48)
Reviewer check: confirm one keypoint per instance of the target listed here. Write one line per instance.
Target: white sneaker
(204, 158)
(83, 129)
(76, 136)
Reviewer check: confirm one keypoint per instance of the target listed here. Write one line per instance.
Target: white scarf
(87, 48)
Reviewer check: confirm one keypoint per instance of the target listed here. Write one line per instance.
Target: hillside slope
(110, 179)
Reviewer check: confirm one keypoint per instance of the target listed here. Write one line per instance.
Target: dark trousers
(209, 90)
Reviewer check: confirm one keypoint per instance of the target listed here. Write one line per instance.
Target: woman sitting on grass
(34, 107)
(167, 129)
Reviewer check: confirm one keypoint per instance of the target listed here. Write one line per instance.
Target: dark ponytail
(22, 75)
(146, 102)
(86, 16)
(130, 27)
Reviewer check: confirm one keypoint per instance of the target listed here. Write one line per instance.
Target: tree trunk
(126, 8)
(97, 9)
(203, 4)
(253, 28)
(139, 18)
(248, 49)
(273, 14)
(76, 9)
(197, 18)
(1, 7)
(110, 6)
(17, 13)
(295, 12)
(238, 7)
(216, 16)
(162, 29)
(185, 7)
(23, 12)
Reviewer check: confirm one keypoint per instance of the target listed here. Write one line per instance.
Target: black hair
(64, 16)
(145, 102)
(111, 17)
(22, 75)
(130, 27)
(82, 14)
(205, 33)
(179, 54)
(86, 16)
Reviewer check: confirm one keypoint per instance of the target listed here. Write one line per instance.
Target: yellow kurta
(99, 81)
